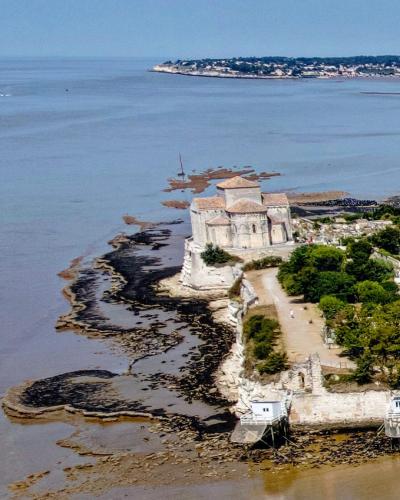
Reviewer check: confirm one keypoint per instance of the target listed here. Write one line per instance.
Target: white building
(392, 418)
(265, 412)
(240, 219)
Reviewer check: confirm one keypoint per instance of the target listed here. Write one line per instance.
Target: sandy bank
(178, 204)
(304, 198)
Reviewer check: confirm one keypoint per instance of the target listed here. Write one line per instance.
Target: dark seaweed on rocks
(141, 271)
(59, 390)
(82, 390)
(136, 265)
(197, 376)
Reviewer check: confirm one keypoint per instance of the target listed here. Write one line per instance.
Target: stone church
(240, 219)
(240, 216)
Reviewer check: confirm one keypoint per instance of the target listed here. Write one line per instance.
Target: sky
(198, 28)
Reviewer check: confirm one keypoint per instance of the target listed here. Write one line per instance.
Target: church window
(254, 228)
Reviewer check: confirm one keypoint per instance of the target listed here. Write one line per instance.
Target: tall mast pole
(182, 173)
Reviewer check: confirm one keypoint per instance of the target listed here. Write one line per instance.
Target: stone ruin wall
(196, 274)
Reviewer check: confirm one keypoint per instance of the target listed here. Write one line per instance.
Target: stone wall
(198, 221)
(196, 274)
(233, 195)
(250, 231)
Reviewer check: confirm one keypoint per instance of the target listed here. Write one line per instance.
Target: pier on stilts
(265, 420)
(392, 421)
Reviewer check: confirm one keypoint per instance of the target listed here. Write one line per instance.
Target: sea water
(85, 141)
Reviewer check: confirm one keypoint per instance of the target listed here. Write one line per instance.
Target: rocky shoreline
(182, 408)
(134, 273)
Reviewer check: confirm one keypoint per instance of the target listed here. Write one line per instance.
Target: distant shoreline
(240, 77)
(260, 77)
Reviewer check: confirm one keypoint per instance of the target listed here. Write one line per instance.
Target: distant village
(286, 67)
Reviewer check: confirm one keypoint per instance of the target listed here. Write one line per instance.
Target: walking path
(301, 338)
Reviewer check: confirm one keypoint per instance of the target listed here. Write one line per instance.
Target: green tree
(388, 239)
(326, 258)
(371, 291)
(365, 369)
(339, 284)
(298, 259)
(331, 305)
(359, 250)
(378, 270)
(293, 284)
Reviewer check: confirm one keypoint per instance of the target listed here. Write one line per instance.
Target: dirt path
(301, 337)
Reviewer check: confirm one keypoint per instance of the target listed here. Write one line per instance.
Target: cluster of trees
(261, 334)
(370, 334)
(316, 271)
(388, 239)
(382, 211)
(359, 299)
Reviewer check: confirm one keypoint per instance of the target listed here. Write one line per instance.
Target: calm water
(73, 162)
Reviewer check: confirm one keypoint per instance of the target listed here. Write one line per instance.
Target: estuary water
(84, 141)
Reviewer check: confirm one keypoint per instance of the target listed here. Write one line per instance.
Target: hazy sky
(198, 28)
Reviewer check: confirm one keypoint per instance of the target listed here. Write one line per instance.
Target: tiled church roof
(212, 203)
(220, 220)
(244, 206)
(237, 182)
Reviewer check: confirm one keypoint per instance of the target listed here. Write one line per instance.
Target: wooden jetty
(265, 419)
(392, 418)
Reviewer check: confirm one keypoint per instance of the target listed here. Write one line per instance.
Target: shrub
(261, 332)
(265, 335)
(252, 325)
(351, 217)
(258, 324)
(264, 263)
(371, 291)
(331, 305)
(262, 350)
(213, 254)
(275, 363)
